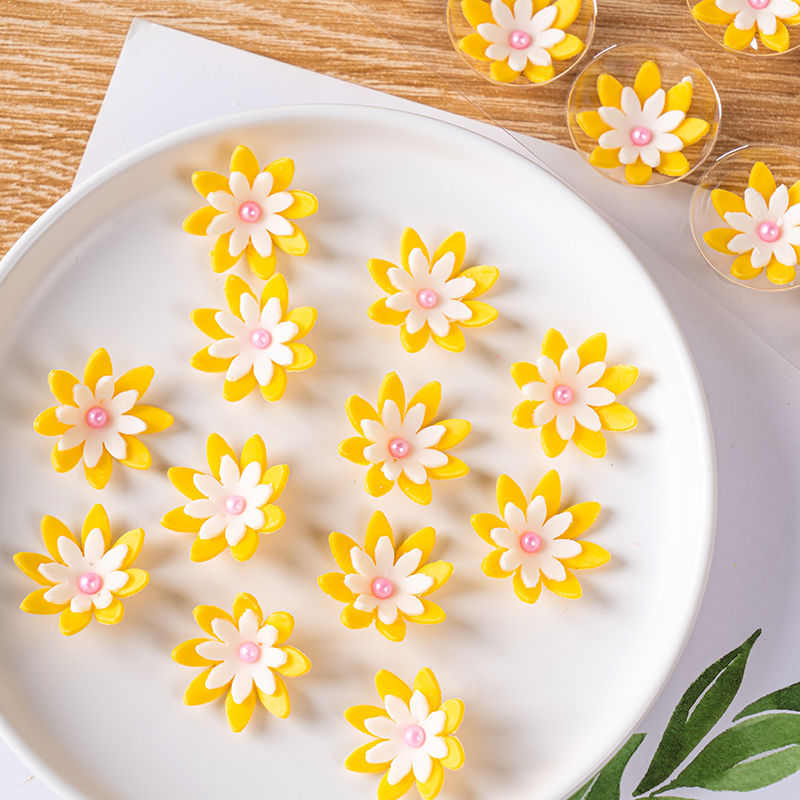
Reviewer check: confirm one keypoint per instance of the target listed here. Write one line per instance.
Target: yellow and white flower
(744, 18)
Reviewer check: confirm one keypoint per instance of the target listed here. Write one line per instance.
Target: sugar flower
(83, 578)
(764, 227)
(570, 394)
(399, 444)
(233, 505)
(250, 213)
(246, 657)
(432, 296)
(413, 735)
(535, 542)
(385, 584)
(744, 18)
(521, 37)
(96, 420)
(643, 128)
(257, 343)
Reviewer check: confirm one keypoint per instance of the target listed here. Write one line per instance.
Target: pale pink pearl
(249, 652)
(519, 40)
(235, 504)
(382, 588)
(427, 298)
(758, 4)
(414, 736)
(769, 232)
(399, 447)
(250, 211)
(530, 542)
(90, 583)
(261, 339)
(562, 394)
(96, 417)
(641, 136)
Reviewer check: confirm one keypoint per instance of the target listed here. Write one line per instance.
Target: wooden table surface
(56, 59)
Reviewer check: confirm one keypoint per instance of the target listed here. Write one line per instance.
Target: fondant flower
(521, 36)
(429, 296)
(398, 442)
(643, 128)
(570, 394)
(257, 343)
(233, 505)
(83, 578)
(744, 17)
(383, 584)
(250, 212)
(413, 735)
(764, 227)
(97, 419)
(246, 657)
(535, 543)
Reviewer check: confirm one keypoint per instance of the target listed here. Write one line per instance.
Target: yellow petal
(277, 287)
(679, 97)
(761, 180)
(98, 366)
(609, 90)
(304, 357)
(592, 443)
(356, 716)
(455, 754)
(392, 389)
(359, 409)
(332, 583)
(743, 269)
(275, 518)
(552, 444)
(440, 571)
(431, 788)
(243, 160)
(206, 320)
(297, 663)
(522, 416)
(419, 493)
(778, 41)
(35, 603)
(484, 277)
(616, 417)
(673, 164)
(138, 456)
(501, 72)
(568, 47)
(71, 623)
(262, 266)
(523, 592)
(305, 204)
(410, 240)
(156, 419)
(295, 244)
(47, 424)
(568, 11)
(690, 132)
(282, 171)
(736, 39)
(52, 530)
(583, 516)
(490, 566)
(206, 549)
(454, 713)
(426, 683)
(186, 654)
(205, 615)
(387, 683)
(202, 360)
(304, 317)
(239, 714)
(455, 243)
(569, 588)
(234, 288)
(725, 201)
(137, 580)
(111, 614)
(354, 619)
(197, 222)
(523, 372)
(233, 391)
(554, 346)
(178, 520)
(708, 11)
(61, 385)
(482, 314)
(387, 791)
(454, 468)
(484, 524)
(456, 430)
(246, 548)
(357, 762)
(283, 621)
(591, 556)
(353, 449)
(508, 491)
(539, 74)
(254, 450)
(430, 395)
(395, 632)
(29, 563)
(99, 475)
(196, 692)
(639, 173)
(414, 342)
(549, 488)
(718, 239)
(779, 273)
(422, 540)
(246, 602)
(794, 190)
(476, 12)
(648, 81)
(276, 388)
(377, 527)
(375, 483)
(593, 349)
(206, 182)
(454, 341)
(618, 378)
(591, 124)
(379, 269)
(605, 159)
(96, 518)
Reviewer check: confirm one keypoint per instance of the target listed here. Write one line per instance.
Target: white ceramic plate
(551, 690)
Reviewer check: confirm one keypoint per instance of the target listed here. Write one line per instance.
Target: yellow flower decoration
(250, 213)
(643, 128)
(764, 227)
(246, 656)
(233, 505)
(383, 584)
(521, 37)
(535, 542)
(413, 733)
(743, 19)
(431, 297)
(86, 577)
(257, 343)
(570, 393)
(399, 444)
(96, 420)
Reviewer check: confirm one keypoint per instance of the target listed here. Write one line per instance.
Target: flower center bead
(530, 542)
(427, 298)
(399, 447)
(235, 504)
(382, 588)
(90, 583)
(769, 232)
(519, 40)
(261, 339)
(641, 136)
(249, 652)
(562, 394)
(758, 4)
(96, 417)
(414, 736)
(250, 211)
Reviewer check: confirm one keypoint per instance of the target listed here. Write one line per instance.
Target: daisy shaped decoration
(250, 212)
(233, 505)
(571, 394)
(413, 734)
(399, 444)
(86, 577)
(643, 127)
(764, 227)
(432, 296)
(535, 543)
(257, 342)
(97, 420)
(246, 656)
(383, 584)
(745, 18)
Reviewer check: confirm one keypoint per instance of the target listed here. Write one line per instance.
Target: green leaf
(606, 784)
(700, 708)
(787, 699)
(754, 753)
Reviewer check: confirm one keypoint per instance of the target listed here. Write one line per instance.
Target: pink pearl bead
(414, 736)
(562, 394)
(427, 298)
(519, 40)
(641, 136)
(382, 588)
(769, 232)
(90, 583)
(261, 339)
(250, 652)
(530, 542)
(758, 4)
(96, 417)
(399, 447)
(235, 504)
(250, 211)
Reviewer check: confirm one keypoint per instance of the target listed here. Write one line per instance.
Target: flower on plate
(250, 213)
(97, 419)
(643, 128)
(413, 735)
(399, 443)
(744, 17)
(257, 343)
(430, 296)
(86, 577)
(535, 542)
(246, 657)
(383, 584)
(764, 227)
(521, 36)
(233, 505)
(570, 394)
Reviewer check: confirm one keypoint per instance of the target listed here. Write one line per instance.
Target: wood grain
(56, 59)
